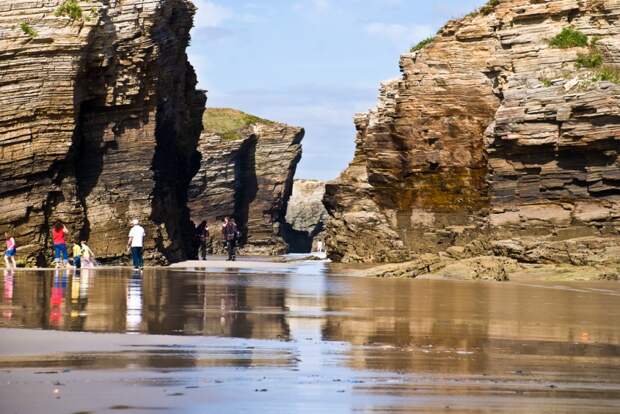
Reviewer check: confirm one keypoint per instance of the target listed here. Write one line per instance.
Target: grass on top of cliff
(228, 123)
(422, 44)
(489, 7)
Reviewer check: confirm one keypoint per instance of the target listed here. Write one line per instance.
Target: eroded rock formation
(491, 133)
(247, 170)
(98, 124)
(305, 216)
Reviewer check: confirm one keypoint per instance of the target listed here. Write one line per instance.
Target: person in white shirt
(136, 243)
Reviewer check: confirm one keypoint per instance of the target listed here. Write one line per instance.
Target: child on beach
(88, 257)
(77, 255)
(11, 251)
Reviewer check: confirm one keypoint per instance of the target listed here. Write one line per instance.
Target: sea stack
(501, 136)
(246, 171)
(99, 122)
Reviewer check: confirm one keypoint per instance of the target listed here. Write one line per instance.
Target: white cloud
(211, 15)
(399, 34)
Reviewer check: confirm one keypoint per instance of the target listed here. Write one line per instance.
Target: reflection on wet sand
(7, 312)
(424, 344)
(156, 303)
(475, 328)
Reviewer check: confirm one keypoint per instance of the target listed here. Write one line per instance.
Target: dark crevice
(246, 183)
(300, 241)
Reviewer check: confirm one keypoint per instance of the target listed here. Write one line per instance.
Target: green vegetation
(592, 59)
(22, 262)
(489, 7)
(28, 30)
(228, 123)
(421, 45)
(546, 82)
(568, 38)
(608, 73)
(94, 12)
(70, 9)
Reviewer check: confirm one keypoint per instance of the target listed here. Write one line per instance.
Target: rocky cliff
(98, 123)
(305, 216)
(506, 124)
(246, 171)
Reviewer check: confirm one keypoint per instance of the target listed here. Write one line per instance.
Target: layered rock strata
(305, 216)
(490, 133)
(99, 119)
(247, 169)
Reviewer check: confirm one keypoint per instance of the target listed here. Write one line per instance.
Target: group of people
(230, 238)
(83, 256)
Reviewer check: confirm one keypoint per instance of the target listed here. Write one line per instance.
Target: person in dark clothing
(202, 236)
(229, 234)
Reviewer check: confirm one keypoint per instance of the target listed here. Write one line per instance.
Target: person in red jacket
(59, 232)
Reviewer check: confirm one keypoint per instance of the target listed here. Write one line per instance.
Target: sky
(309, 63)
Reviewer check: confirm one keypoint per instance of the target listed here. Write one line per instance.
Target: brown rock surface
(247, 170)
(490, 134)
(99, 119)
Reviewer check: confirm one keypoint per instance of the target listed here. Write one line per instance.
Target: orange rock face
(490, 133)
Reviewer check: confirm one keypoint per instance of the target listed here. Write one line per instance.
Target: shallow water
(304, 339)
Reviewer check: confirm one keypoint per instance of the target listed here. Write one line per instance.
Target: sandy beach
(226, 339)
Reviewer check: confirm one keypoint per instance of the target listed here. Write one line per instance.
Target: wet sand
(298, 338)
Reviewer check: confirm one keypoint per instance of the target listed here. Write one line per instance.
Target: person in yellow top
(88, 257)
(77, 255)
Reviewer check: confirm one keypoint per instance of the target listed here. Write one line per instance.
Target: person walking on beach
(229, 233)
(11, 251)
(88, 257)
(136, 243)
(59, 232)
(77, 255)
(202, 235)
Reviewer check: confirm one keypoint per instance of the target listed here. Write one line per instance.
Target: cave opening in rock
(171, 176)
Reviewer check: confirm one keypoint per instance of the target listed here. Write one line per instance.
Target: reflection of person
(77, 255)
(134, 304)
(11, 251)
(136, 243)
(8, 294)
(84, 283)
(57, 298)
(88, 257)
(230, 234)
(202, 237)
(59, 231)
